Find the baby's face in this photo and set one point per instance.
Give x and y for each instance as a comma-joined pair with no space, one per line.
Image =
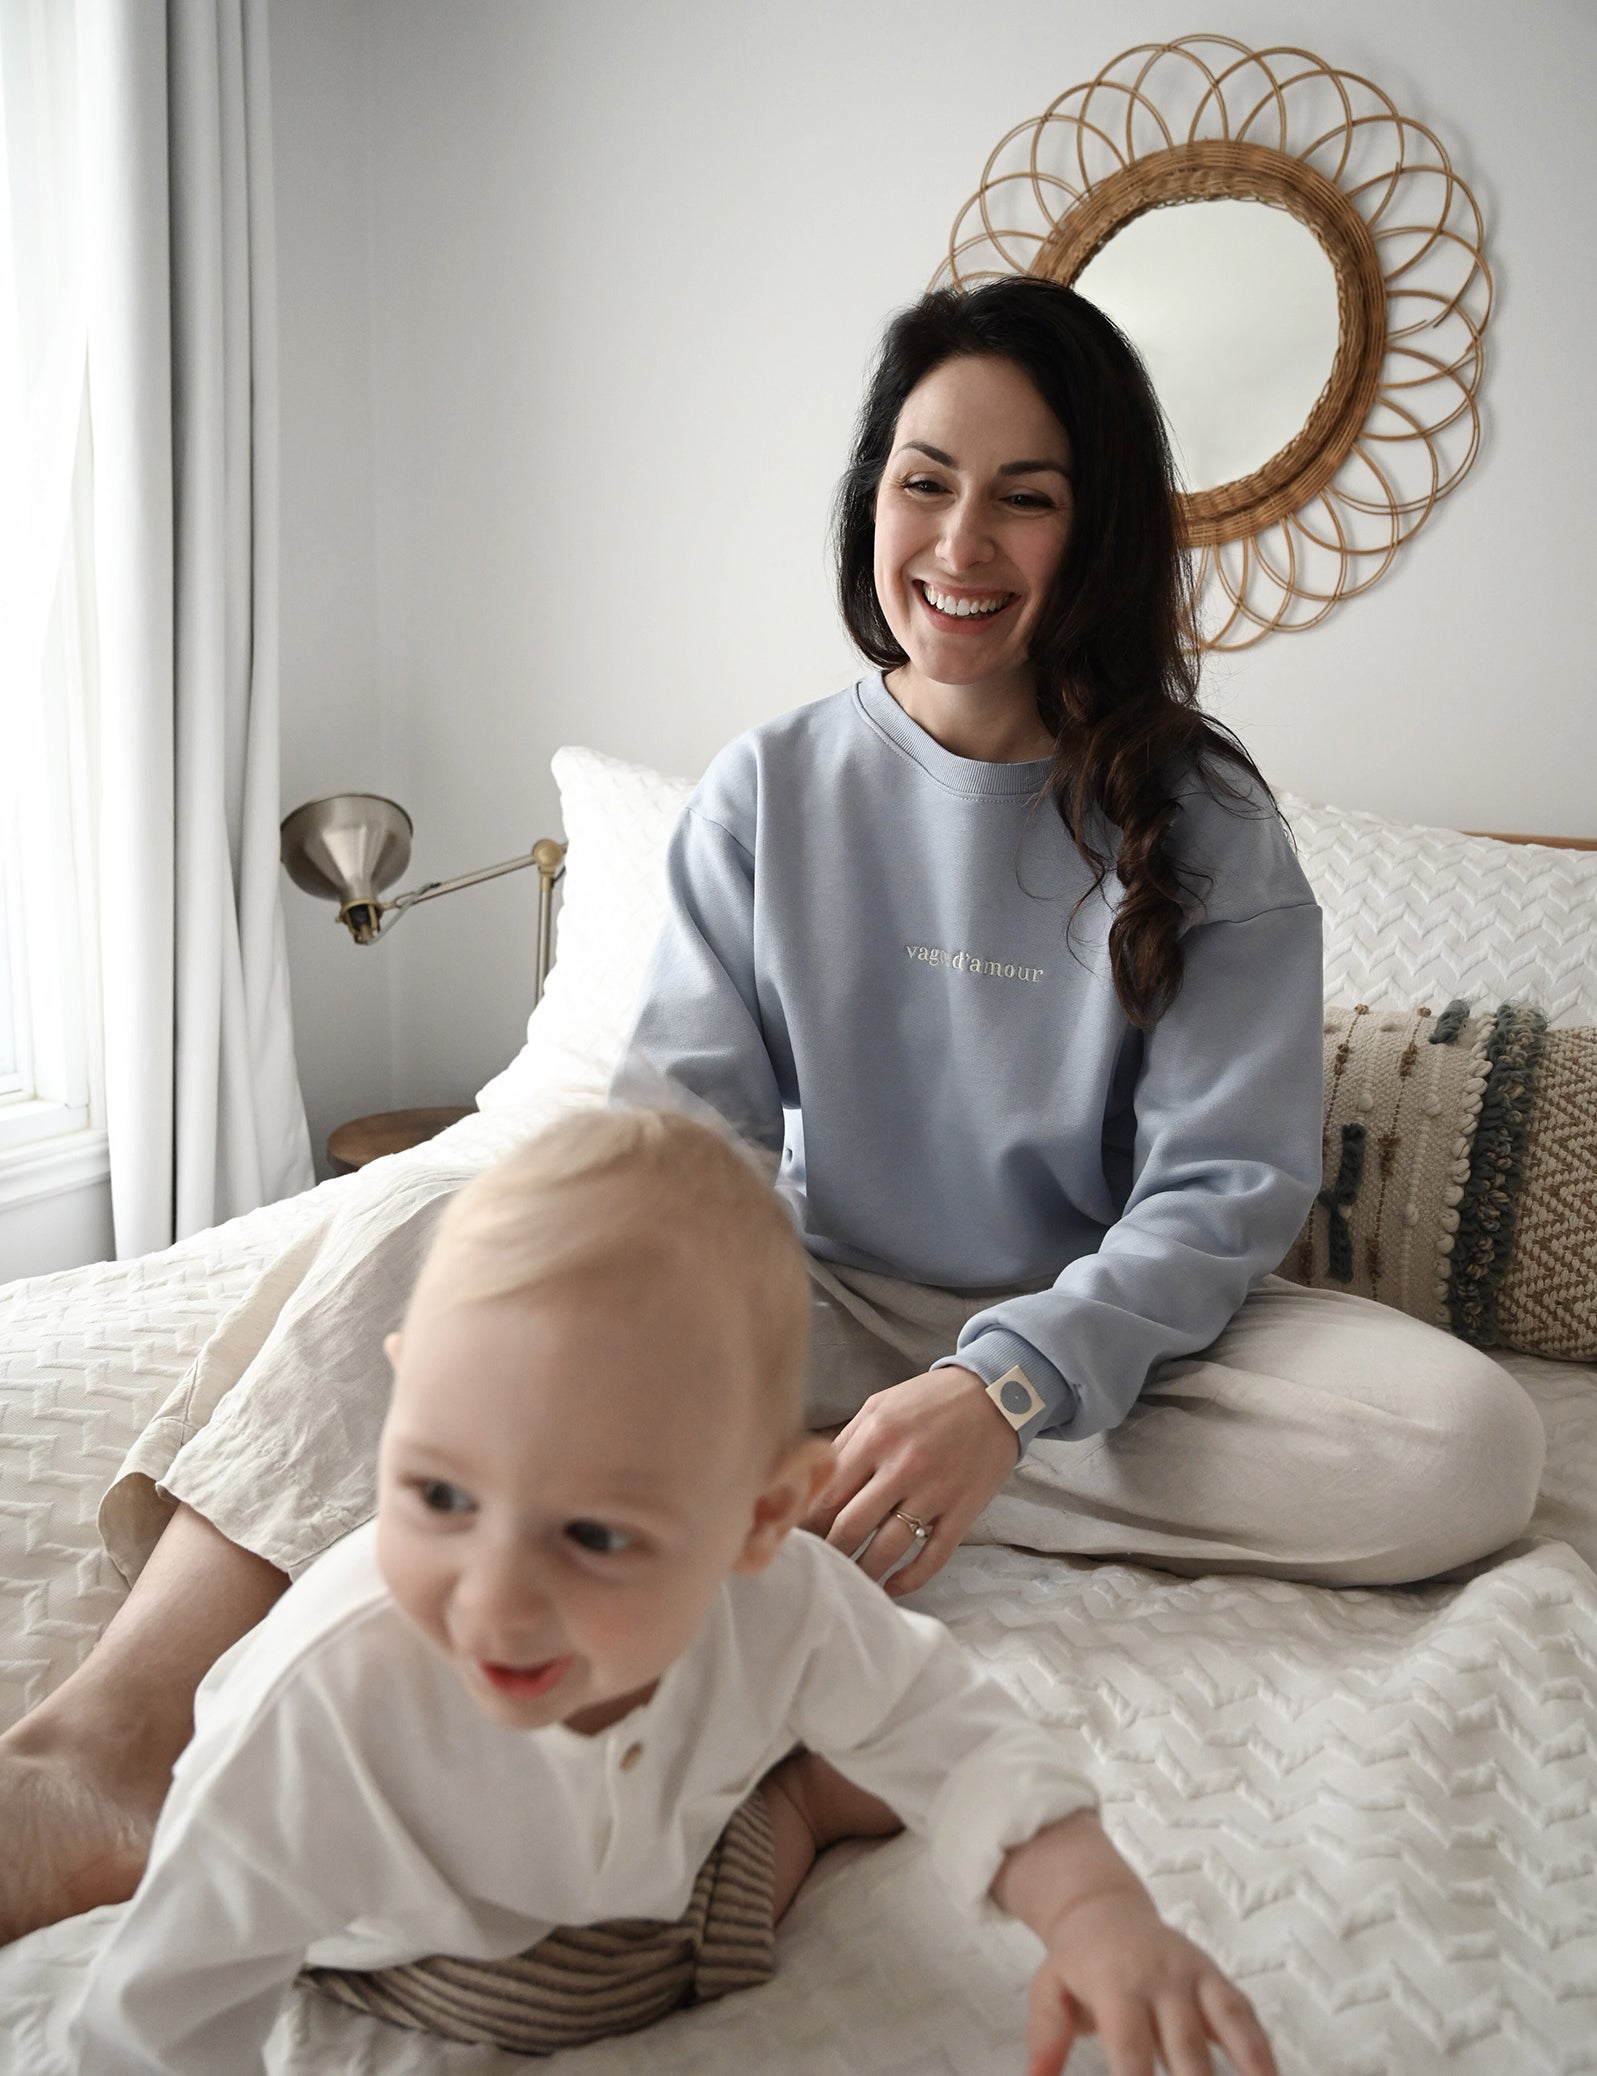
565,1480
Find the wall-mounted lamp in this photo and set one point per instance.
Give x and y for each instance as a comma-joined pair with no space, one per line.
350,846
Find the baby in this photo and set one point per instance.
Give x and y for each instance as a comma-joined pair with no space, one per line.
547,1704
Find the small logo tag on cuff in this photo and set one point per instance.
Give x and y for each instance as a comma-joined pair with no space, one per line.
1016,1397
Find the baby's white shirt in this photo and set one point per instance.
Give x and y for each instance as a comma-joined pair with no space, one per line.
345,1803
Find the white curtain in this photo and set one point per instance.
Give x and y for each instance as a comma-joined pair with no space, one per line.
203,1104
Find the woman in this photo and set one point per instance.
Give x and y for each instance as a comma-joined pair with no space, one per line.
1007,953
1006,956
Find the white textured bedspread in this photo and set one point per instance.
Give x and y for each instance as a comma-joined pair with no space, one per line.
1375,1808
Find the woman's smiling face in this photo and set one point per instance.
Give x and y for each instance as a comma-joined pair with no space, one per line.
972,518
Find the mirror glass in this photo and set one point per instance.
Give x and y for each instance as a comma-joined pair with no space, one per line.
1232,305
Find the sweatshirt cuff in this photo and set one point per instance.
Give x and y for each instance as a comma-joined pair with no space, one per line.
995,1351
1012,1786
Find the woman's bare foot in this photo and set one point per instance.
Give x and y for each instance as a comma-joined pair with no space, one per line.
812,1806
71,1841
83,1777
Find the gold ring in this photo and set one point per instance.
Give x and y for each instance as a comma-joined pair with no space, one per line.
920,1528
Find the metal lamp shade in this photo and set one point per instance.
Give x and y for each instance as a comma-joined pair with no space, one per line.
348,848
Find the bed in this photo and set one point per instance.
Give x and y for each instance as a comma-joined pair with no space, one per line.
1374,1807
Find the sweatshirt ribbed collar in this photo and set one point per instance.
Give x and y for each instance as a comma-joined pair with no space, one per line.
880,711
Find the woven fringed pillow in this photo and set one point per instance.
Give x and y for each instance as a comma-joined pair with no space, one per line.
1461,1174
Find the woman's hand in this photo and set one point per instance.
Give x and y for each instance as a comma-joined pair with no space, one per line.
935,1448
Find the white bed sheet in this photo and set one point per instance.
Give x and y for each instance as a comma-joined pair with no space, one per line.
1374,1807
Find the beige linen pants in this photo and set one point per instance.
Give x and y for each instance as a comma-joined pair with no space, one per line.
1321,1437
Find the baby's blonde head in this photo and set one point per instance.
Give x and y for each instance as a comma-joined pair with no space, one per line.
596,1415
623,1200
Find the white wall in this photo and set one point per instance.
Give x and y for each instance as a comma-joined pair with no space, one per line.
578,296
51,1228
334,719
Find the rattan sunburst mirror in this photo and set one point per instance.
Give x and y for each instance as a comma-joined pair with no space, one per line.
1395,424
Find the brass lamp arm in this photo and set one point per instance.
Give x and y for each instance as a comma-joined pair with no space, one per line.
365,919
434,887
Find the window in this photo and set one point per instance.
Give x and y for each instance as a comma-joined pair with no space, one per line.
48,998
46,873
15,1062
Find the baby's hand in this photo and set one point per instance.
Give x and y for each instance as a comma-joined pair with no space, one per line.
1114,1967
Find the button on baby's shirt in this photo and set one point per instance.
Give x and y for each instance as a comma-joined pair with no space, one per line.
630,1757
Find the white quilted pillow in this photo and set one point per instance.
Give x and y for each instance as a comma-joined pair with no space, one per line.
618,819
1416,915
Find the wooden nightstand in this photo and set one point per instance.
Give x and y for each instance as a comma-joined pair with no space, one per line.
363,1139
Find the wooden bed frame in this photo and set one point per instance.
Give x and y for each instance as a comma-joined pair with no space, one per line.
1552,843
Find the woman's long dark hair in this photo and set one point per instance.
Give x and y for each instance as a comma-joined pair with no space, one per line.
1116,669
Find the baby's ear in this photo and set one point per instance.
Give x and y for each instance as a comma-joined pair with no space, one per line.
391,1347
796,1482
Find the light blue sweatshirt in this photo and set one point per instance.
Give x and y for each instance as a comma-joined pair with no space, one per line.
865,969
